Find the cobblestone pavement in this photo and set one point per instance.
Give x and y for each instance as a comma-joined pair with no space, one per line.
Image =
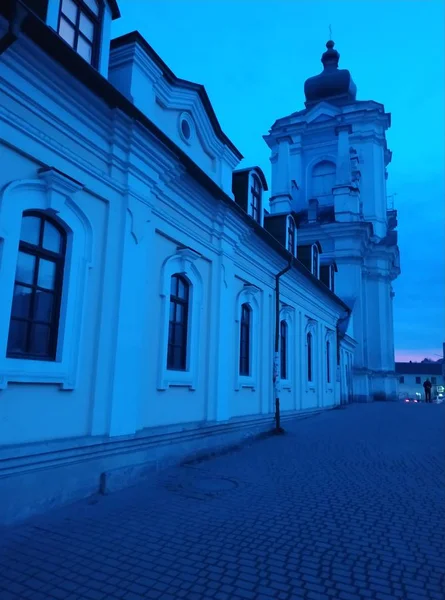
347,505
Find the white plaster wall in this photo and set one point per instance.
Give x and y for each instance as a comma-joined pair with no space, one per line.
142,206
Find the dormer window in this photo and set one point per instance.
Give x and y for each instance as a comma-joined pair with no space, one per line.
332,278
291,235
255,199
79,26
315,262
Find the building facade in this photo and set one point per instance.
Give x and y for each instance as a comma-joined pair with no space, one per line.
139,268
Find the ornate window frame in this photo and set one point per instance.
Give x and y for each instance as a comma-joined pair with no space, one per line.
311,327
52,192
329,338
287,315
248,295
181,263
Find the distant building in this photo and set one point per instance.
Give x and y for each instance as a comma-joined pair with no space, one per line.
412,375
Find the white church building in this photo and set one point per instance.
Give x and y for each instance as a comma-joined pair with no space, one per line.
141,268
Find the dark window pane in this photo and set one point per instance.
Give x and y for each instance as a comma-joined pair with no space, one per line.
172,311
93,5
39,340
66,31
309,357
47,274
84,48
177,358
86,27
30,230
182,289
17,336
174,285
180,312
43,306
51,238
21,302
25,267
69,8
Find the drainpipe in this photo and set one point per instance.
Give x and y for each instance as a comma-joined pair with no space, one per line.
15,23
276,362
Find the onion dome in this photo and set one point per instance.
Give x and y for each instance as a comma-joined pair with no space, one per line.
332,84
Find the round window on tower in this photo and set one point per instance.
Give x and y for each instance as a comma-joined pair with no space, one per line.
185,127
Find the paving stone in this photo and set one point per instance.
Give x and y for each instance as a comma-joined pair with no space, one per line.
337,504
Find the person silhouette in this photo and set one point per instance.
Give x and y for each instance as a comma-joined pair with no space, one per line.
427,387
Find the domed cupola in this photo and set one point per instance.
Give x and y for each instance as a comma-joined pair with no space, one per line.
333,85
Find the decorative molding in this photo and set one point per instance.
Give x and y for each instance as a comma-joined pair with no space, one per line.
141,214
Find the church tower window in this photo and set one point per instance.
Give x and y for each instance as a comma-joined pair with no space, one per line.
323,180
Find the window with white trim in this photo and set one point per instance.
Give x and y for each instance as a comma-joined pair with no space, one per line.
40,260
332,278
309,356
34,323
315,261
254,207
178,324
284,367
248,336
291,235
79,25
245,336
181,302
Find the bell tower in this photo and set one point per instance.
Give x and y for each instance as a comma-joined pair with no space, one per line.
329,162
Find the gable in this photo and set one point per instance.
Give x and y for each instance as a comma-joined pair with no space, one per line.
322,112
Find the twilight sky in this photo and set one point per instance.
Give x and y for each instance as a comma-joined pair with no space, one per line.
253,57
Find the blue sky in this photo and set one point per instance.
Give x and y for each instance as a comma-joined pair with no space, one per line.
253,57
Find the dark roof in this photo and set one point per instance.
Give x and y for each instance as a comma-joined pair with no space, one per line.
332,83
136,37
259,172
51,43
413,368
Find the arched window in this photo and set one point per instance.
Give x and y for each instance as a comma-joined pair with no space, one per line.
244,354
255,199
315,260
34,323
178,324
283,350
323,180
79,26
309,356
291,235
328,361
